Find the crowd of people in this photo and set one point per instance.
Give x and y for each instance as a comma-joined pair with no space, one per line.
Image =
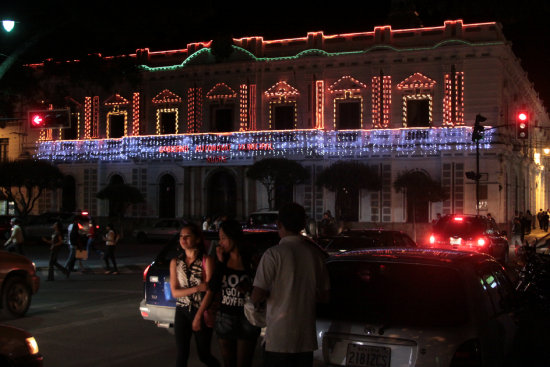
80,247
211,294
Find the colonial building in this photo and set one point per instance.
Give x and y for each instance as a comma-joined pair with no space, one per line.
394,99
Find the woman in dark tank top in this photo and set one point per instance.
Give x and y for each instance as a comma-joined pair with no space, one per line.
232,281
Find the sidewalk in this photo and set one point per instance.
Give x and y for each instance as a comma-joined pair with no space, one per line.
539,237
130,258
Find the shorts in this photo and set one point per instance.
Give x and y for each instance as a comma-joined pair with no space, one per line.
233,327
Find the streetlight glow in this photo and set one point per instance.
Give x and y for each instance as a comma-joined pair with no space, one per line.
8,25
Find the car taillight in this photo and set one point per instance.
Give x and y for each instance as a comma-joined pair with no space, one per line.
467,355
481,242
432,239
145,272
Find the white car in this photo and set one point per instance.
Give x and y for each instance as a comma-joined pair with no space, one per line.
416,307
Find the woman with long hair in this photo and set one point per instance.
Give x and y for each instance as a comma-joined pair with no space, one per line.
190,273
55,245
234,276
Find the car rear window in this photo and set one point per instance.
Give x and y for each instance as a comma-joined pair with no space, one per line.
449,227
353,242
388,293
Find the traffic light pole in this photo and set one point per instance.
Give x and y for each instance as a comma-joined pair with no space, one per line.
477,177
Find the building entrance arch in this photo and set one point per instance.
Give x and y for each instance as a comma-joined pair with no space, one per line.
167,196
221,194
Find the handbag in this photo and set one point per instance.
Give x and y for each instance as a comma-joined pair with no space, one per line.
81,254
254,315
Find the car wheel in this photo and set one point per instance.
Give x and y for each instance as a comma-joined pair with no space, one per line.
16,298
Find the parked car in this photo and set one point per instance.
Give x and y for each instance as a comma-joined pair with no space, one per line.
163,229
266,219
358,239
41,225
18,348
416,307
18,282
470,233
157,304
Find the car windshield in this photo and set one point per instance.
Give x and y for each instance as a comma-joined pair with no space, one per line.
354,242
463,227
395,293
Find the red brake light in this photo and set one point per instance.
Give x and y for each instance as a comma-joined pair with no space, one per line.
481,242
145,272
432,239
458,219
84,213
80,226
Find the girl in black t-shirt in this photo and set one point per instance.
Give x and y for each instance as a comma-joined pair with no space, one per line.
232,281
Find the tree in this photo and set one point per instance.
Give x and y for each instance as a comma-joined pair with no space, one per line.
271,172
419,188
346,179
24,181
120,197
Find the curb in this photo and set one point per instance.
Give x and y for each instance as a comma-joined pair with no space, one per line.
97,269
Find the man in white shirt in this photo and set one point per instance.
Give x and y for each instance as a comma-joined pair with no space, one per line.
15,242
291,278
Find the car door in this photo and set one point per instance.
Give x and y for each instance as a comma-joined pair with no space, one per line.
499,330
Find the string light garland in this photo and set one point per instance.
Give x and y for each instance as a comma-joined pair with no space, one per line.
166,96
320,104
453,101
224,147
282,102
116,100
243,107
347,84
221,91
381,101
417,97
87,117
160,111
282,89
95,117
416,81
194,109
117,112
252,108
349,97
135,113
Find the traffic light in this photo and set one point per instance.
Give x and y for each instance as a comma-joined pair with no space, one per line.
477,132
50,119
522,125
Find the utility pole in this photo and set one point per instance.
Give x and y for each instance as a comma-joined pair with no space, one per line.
477,135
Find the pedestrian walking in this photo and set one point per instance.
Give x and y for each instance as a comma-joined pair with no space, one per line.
527,220
75,243
291,278
111,239
545,218
55,245
206,224
516,233
190,273
232,279
16,240
93,240
539,218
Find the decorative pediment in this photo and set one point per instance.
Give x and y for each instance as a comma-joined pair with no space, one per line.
116,100
347,84
73,102
416,81
282,89
221,91
166,96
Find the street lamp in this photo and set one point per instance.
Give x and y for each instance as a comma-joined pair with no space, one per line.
8,25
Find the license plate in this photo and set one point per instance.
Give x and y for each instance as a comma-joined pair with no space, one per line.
456,241
366,355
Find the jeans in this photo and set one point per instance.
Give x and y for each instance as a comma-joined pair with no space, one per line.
69,264
110,255
183,331
274,359
54,264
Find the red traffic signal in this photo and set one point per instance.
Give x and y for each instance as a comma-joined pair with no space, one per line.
522,125
50,119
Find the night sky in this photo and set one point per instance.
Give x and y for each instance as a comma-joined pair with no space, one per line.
69,29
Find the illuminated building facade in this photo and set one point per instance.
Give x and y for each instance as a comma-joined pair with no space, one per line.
393,99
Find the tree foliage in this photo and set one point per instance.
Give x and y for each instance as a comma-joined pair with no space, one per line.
120,197
24,181
420,187
276,171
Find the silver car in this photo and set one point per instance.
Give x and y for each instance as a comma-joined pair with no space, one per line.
416,307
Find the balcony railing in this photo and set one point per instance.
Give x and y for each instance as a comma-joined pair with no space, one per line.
249,145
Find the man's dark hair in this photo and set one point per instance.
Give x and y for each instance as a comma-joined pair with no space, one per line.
293,217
